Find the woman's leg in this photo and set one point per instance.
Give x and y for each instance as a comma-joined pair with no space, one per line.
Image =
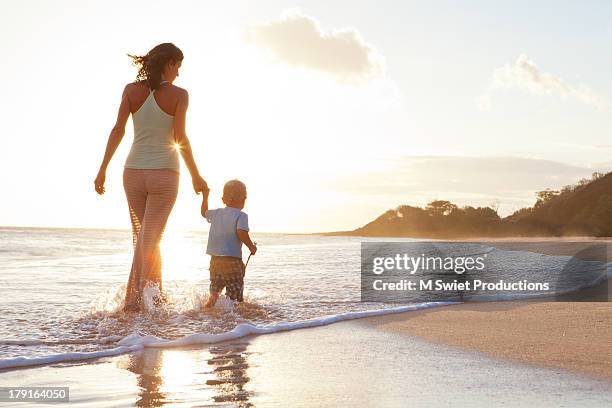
135,191
162,188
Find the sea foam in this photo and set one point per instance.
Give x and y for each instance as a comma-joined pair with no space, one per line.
135,342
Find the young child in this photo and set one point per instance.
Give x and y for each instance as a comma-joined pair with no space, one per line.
229,229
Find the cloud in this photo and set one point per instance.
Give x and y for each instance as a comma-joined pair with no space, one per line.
298,40
524,74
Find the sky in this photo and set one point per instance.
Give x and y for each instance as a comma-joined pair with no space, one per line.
330,112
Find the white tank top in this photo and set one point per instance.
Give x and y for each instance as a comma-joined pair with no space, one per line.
154,143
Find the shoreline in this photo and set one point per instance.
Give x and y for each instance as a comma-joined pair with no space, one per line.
575,335
344,364
572,336
379,317
502,349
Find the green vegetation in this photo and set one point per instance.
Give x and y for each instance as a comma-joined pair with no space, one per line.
584,209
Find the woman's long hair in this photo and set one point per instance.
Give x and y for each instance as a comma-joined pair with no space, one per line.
151,65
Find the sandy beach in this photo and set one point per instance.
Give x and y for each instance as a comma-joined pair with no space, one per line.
572,336
351,363
568,335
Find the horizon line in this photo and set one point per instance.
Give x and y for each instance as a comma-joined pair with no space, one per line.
129,229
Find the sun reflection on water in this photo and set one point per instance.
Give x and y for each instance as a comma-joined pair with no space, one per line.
181,377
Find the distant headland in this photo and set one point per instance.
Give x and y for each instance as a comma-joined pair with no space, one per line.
581,209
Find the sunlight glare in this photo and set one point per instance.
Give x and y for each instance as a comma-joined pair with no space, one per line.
183,257
178,369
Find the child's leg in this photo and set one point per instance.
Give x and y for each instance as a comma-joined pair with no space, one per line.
235,288
234,280
217,283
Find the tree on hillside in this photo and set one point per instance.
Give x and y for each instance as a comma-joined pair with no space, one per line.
584,208
601,216
440,207
494,205
544,196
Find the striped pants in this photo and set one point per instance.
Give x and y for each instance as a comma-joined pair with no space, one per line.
151,194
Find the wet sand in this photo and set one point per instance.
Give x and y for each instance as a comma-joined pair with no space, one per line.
574,336
350,363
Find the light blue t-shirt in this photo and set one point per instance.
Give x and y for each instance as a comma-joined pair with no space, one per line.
222,237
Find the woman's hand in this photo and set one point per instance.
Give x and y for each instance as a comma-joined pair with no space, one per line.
99,182
199,184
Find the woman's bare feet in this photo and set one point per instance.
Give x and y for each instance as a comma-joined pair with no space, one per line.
212,299
131,308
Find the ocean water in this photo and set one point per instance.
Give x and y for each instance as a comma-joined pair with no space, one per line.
62,291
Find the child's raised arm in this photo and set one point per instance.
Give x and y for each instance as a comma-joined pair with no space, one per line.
204,207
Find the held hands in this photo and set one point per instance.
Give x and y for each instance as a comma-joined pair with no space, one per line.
99,182
199,184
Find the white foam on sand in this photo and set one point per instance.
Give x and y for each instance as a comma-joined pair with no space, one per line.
135,341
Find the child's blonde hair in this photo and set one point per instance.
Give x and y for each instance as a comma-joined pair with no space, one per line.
234,190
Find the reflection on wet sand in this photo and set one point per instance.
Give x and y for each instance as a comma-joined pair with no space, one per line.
207,376
230,371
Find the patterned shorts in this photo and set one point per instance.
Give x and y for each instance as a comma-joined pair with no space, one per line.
227,272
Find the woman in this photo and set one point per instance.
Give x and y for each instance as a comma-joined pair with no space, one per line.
151,173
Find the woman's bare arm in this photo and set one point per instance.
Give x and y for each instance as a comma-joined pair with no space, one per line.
182,141
114,139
